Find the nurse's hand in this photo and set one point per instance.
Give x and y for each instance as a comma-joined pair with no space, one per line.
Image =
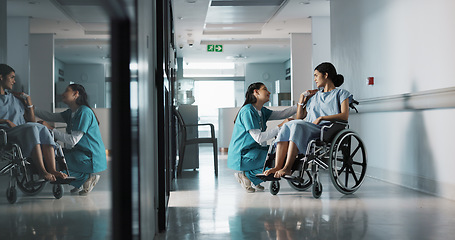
285,121
46,124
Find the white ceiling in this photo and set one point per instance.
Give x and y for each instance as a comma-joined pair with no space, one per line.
249,30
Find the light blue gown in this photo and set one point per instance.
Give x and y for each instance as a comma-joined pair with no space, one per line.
25,134
301,132
88,155
244,153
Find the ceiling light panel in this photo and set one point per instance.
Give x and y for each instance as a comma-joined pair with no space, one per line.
246,2
239,17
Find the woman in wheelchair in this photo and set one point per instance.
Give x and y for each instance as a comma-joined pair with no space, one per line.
248,147
318,108
84,149
17,117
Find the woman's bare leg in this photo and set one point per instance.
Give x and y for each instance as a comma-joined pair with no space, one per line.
37,156
291,155
280,156
49,157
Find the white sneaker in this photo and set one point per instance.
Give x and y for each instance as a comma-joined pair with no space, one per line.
259,187
244,181
89,184
75,190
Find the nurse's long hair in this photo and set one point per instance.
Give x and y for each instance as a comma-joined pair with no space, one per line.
249,95
83,98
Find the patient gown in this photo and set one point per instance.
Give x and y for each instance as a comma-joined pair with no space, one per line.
301,132
25,134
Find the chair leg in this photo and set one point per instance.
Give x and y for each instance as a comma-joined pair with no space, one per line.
181,157
215,158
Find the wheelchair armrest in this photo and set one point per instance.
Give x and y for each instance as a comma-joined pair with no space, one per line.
328,131
3,138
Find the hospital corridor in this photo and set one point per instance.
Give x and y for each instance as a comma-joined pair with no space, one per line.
208,208
204,207
185,97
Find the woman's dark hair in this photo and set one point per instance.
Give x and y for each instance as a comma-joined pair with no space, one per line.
5,70
249,95
328,68
83,98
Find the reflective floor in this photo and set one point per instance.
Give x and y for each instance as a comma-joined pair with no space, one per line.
44,217
203,207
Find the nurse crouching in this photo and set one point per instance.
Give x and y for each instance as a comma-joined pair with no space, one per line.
84,149
248,147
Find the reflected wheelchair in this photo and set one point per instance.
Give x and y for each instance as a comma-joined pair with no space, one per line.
338,149
23,173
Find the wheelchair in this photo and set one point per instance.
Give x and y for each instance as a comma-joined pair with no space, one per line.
24,175
338,149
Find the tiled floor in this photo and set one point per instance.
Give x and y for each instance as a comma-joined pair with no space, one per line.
203,207
43,217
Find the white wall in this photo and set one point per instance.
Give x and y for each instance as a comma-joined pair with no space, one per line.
407,45
92,77
42,71
3,28
18,53
264,72
301,64
320,34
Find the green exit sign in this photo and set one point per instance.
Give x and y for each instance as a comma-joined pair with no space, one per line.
214,48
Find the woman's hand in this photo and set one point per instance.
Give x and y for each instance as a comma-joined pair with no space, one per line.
308,94
46,124
24,97
285,121
305,96
8,122
318,120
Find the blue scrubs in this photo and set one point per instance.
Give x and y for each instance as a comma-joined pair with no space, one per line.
89,154
244,153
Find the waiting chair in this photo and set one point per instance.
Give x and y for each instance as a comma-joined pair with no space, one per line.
184,141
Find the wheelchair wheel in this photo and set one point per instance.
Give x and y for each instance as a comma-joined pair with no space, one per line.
301,184
348,162
274,187
57,190
34,186
317,188
11,195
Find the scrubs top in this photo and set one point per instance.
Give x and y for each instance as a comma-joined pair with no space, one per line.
244,153
89,154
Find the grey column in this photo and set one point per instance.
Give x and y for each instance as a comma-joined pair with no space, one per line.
3,31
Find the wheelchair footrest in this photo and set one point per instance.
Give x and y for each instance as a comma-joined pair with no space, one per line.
290,178
265,178
34,183
64,181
